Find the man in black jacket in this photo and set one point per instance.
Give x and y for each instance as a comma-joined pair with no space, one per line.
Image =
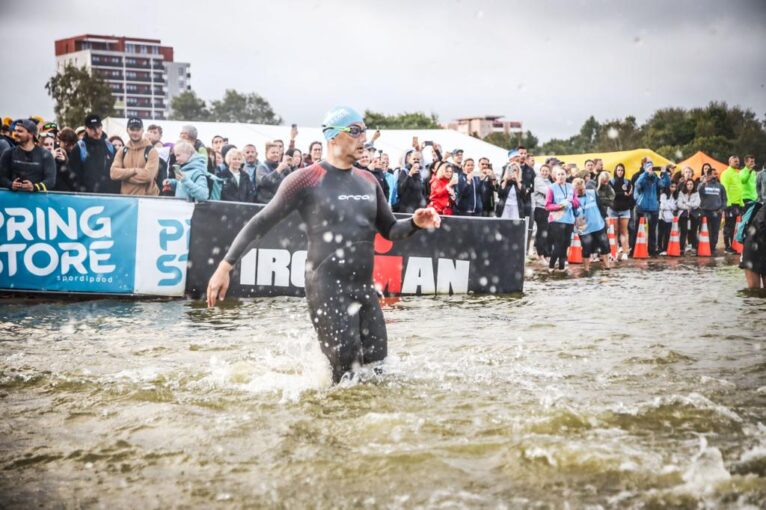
412,187
91,160
27,167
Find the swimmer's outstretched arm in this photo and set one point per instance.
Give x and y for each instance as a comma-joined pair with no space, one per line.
393,229
284,202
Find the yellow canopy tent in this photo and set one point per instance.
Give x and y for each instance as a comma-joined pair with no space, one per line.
631,159
700,158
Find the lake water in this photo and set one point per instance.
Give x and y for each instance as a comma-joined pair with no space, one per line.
643,387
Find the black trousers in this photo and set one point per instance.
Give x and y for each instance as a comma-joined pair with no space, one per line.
561,236
688,227
542,242
663,236
713,226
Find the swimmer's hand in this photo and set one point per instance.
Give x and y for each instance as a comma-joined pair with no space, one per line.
426,218
218,284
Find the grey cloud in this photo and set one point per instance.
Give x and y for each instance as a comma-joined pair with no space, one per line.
548,64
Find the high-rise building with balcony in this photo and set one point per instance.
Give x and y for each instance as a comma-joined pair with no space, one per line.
140,72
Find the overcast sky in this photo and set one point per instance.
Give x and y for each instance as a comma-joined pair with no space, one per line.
549,64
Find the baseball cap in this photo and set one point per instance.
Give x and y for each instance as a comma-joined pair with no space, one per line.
135,123
512,153
51,126
27,124
457,151
92,121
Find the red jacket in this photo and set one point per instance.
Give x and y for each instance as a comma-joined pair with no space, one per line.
441,198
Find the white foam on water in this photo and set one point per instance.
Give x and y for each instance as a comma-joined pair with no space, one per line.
705,471
296,366
693,400
137,375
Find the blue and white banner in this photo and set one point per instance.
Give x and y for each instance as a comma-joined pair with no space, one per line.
55,242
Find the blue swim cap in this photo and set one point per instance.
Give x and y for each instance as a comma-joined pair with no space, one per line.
340,116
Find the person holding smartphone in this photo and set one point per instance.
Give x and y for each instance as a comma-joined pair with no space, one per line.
189,174
510,196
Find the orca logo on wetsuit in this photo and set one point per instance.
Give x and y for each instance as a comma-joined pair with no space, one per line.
354,197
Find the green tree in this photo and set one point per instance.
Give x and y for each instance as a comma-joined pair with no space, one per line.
512,140
248,108
77,93
187,106
413,120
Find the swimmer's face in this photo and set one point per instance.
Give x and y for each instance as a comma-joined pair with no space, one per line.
351,146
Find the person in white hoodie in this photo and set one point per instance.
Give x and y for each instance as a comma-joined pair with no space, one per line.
688,204
539,196
667,214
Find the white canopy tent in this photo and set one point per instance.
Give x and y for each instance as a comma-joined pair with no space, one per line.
395,142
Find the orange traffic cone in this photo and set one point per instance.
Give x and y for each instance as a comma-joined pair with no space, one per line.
703,243
641,250
612,238
736,245
674,245
574,253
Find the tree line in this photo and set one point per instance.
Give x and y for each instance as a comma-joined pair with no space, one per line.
676,133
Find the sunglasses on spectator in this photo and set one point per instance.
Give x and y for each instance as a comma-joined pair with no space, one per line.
353,131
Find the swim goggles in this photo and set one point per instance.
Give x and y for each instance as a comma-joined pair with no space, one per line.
353,131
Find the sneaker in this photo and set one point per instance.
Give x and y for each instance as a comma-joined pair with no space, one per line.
729,249
624,256
663,253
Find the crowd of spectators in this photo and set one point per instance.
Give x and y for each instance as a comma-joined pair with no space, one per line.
557,197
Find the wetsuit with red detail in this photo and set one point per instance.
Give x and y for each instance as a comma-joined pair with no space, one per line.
342,210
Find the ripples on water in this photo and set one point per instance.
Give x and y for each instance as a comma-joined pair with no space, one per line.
635,388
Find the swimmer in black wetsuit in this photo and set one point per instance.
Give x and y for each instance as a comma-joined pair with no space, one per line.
342,208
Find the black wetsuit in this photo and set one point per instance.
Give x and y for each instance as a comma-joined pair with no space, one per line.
342,210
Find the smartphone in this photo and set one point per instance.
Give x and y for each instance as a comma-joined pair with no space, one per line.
294,126
414,140
428,144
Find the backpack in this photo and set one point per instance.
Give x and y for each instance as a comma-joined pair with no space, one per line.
147,150
751,209
215,185
162,168
84,149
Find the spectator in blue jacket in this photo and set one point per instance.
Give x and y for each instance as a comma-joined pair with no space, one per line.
648,187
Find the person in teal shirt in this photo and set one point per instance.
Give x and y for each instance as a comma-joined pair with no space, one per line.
590,225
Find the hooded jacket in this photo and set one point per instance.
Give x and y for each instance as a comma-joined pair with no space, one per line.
136,169
647,188
712,196
542,185
668,207
92,175
194,186
688,203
